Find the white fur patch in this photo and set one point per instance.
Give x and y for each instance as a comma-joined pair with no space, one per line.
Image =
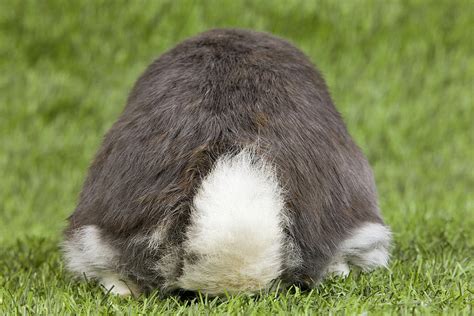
235,240
87,254
368,246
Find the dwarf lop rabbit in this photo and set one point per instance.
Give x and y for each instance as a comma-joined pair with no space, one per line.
229,168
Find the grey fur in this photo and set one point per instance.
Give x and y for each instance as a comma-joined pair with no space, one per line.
214,94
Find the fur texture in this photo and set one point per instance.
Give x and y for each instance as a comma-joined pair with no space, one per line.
209,97
87,254
367,247
235,239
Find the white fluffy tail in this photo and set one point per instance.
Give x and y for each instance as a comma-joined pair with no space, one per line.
235,240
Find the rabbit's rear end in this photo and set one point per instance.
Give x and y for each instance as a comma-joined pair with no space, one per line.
228,169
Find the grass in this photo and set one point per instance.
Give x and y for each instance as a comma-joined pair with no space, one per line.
400,72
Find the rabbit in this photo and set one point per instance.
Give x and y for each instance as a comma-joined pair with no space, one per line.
229,169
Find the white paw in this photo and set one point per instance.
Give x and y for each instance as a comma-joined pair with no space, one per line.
112,284
338,267
367,247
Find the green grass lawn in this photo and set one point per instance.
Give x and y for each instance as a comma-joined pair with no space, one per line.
400,72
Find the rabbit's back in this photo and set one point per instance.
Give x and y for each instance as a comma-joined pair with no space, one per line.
258,102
